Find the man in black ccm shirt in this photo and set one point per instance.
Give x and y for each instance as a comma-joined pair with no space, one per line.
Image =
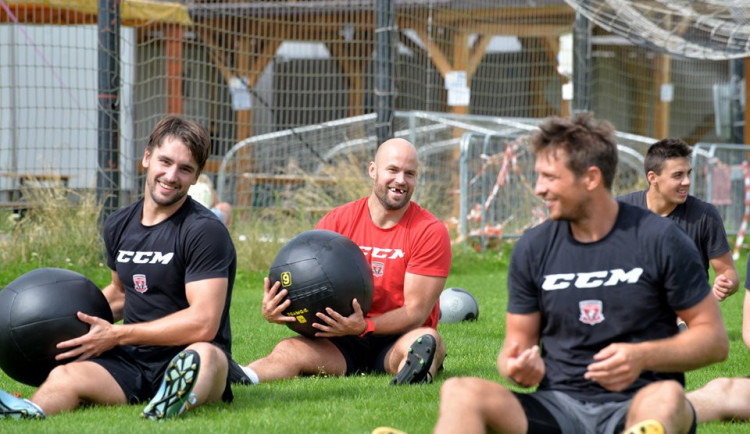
173,267
598,288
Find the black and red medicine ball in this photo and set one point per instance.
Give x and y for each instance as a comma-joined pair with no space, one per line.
319,269
37,311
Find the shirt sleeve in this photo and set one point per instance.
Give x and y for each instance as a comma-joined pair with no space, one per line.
679,256
210,251
716,236
432,252
522,290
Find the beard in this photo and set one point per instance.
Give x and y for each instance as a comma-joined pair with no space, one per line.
164,200
571,213
381,192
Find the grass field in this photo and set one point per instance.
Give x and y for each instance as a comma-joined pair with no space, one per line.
343,405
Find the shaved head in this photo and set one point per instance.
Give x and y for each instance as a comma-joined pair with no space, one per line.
394,173
397,146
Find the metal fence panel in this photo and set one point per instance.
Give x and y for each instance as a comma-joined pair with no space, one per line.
717,178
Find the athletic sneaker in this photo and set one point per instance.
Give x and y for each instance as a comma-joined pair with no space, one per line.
417,367
387,430
18,408
237,375
650,426
175,393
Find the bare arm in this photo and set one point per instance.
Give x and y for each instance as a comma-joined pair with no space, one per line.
199,322
703,343
420,295
727,280
115,295
519,360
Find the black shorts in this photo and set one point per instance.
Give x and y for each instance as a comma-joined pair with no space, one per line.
366,354
139,370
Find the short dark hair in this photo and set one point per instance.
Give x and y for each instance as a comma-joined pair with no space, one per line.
663,150
191,133
587,141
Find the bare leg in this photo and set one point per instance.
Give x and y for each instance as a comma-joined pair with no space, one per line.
722,399
664,401
473,405
300,356
212,377
67,386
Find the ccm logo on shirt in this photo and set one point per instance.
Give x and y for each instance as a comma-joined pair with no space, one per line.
125,256
593,279
378,253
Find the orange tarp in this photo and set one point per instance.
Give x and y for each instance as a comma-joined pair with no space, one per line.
133,12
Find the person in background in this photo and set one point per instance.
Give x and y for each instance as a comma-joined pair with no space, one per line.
667,167
203,191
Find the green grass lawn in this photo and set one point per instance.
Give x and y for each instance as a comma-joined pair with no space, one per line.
353,404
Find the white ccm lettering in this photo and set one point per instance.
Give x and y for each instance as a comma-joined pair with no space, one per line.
594,279
125,256
379,253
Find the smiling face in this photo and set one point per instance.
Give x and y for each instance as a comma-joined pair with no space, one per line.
170,171
563,193
673,183
394,173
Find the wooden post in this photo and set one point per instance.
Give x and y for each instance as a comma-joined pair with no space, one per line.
662,77
461,63
244,118
243,128
253,55
175,103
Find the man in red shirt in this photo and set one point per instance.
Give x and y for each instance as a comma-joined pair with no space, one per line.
410,255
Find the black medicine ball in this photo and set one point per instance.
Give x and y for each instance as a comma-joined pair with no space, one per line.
320,269
37,311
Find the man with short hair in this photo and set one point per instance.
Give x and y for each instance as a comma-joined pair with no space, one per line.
667,167
593,296
174,344
398,335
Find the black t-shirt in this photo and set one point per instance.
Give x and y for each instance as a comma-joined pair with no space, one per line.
700,220
155,262
625,287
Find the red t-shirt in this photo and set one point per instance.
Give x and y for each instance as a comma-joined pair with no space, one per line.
418,244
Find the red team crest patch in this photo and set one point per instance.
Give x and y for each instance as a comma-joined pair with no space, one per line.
139,283
377,269
591,311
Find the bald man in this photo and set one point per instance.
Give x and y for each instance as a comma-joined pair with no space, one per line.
410,255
